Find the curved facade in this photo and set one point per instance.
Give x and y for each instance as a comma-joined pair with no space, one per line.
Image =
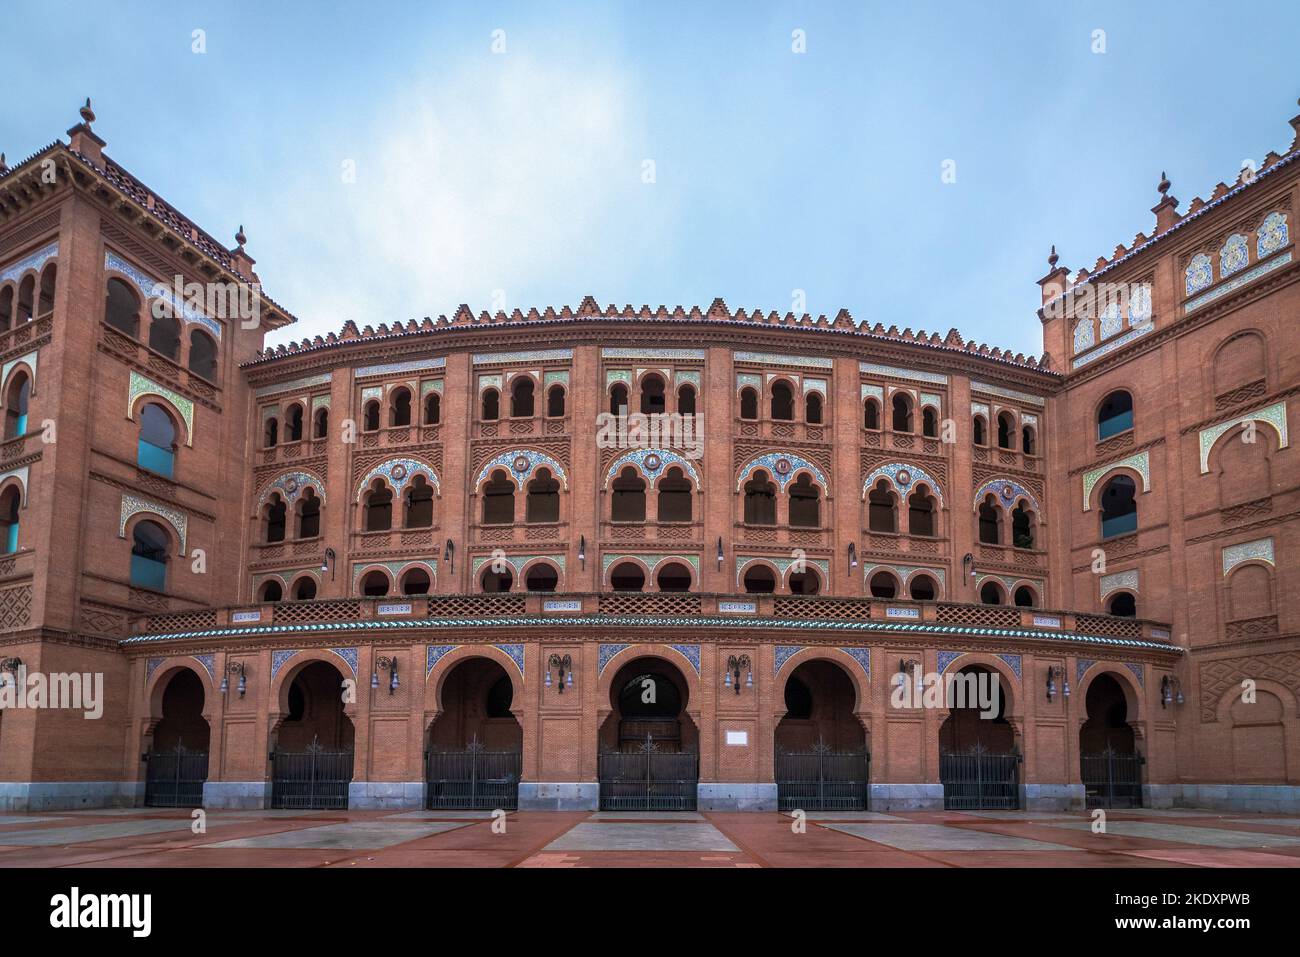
558,541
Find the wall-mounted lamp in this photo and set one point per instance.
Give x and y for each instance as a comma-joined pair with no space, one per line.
1051,682
9,671
582,550
329,563
906,665
449,555
389,665
234,668
1171,691
968,560
853,556
564,665
735,664
721,557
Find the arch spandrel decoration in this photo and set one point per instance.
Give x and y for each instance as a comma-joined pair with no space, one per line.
1139,463
20,475
1013,662
652,464
1127,580
1273,416
133,505
515,652
1272,234
903,477
1260,550
36,261
28,360
783,467
395,569
608,652
151,288
139,386
905,572
433,654
398,473
781,564
1008,491
291,485
521,464
518,562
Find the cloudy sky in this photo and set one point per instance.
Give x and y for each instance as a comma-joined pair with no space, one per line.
392,160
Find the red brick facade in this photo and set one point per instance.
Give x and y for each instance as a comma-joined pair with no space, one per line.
848,451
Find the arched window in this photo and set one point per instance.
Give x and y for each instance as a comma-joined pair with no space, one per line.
759,580
271,590
321,425
149,545
674,576
1123,604
122,308
45,305
156,447
627,576
415,582
674,497
1119,507
979,431
991,593
555,402
521,397
812,408
374,584
270,432
760,500
1022,527
882,508
399,411
627,502
922,588
871,414
304,589
883,585
805,505
370,416
498,500
419,503
6,307
921,513
618,399
782,402
308,509
203,355
543,502
499,580
1006,430
293,424
1114,415
1024,597
541,577
990,522
165,335
806,582
432,409
1028,441
274,514
902,406
748,403
378,508
652,395
16,404
929,422
9,502
491,405
686,400
26,295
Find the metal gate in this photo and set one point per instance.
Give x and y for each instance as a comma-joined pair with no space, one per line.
314,779
822,780
980,780
1112,779
648,779
174,778
474,779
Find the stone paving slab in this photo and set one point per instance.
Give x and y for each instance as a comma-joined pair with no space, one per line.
629,836
849,816
1268,821
26,819
1028,815
352,835
646,816
84,831
937,837
1188,834
443,816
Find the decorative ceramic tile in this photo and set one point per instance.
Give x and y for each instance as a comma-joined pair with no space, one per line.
151,288
1139,304
131,505
291,486
1112,321
1013,661
1080,668
653,464
37,260
862,656
516,653
433,654
320,402
1259,550
1138,672
1139,462
1024,398
150,666
521,463
1234,256
930,398
1274,415
814,385
872,368
209,663
560,376
662,355
430,385
28,360
690,377
349,655
278,658
691,653
138,386
1133,333
21,474
650,561
618,375
397,473
1007,491
519,562
1047,621
892,612
1028,419
775,359
979,408
1235,284
948,657
784,653
782,565
904,572
375,392
606,653
297,385
873,391
1126,579
489,382
538,355
398,368
1084,336
1199,274
1272,235
903,477
782,467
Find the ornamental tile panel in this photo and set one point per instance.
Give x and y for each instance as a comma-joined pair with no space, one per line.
296,385
561,376
751,379
37,260
1007,491
651,561
398,368
873,391
435,653
862,656
1112,321
653,464
1126,579
1233,285
1081,666
777,359
291,485
151,288
930,398
133,505
1272,235
915,375
518,562
661,355
690,376
691,653
607,652
521,463
515,651
1084,336
948,657
151,666
536,355
1139,304
1138,672
1274,415
28,360
903,477
1199,274
349,655
139,386
398,473
784,653
1140,463
1133,333
905,572
814,385
1260,550
209,663
1234,256
1014,662
278,658
782,467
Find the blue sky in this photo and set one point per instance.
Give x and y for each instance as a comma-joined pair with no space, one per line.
520,175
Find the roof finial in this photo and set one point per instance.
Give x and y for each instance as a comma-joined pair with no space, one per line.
1164,183
87,114
240,237
1053,258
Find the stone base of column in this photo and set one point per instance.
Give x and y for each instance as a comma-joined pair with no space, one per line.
1052,797
385,795
237,795
69,795
1236,798
907,797
559,796
716,796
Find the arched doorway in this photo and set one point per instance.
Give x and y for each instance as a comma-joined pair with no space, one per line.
649,746
475,746
979,764
821,760
1109,764
312,758
177,764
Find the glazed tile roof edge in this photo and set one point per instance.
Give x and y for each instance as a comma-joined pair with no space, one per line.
597,621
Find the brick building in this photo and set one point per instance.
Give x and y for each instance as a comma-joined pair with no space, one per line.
415,563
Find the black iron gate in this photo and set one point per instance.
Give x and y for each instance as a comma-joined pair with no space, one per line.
822,780
980,780
648,779
1112,779
314,779
175,778
474,779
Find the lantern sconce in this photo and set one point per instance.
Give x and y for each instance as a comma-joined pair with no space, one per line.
582,550
234,668
564,665
388,664
906,665
1171,691
1052,674
449,555
329,563
9,671
969,559
736,664
853,556
721,557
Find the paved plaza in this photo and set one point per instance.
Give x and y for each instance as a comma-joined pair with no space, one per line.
149,837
